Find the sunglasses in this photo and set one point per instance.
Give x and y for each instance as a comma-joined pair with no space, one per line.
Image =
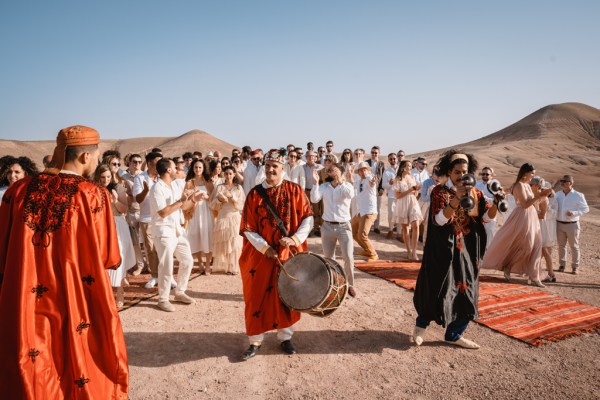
292,156
136,161
563,181
255,158
485,174
115,164
401,155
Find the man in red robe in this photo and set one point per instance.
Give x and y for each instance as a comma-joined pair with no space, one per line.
263,243
61,337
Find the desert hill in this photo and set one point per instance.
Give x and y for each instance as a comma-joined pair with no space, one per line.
557,139
171,146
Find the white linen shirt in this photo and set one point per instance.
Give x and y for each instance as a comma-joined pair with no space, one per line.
161,196
573,201
336,200
366,196
138,187
389,173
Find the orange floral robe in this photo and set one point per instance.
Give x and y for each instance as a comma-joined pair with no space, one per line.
60,333
264,311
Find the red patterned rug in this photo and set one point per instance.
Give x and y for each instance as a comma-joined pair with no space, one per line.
526,313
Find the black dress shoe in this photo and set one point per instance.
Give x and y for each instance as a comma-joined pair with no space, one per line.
251,352
288,347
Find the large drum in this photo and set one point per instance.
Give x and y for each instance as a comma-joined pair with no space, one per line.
320,287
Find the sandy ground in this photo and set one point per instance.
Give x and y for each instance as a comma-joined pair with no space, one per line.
362,351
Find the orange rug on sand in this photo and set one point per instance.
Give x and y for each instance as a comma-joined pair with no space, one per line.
526,313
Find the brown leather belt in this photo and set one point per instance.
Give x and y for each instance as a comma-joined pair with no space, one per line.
335,223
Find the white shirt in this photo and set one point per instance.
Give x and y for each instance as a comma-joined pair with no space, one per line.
336,200
138,187
161,196
251,173
573,201
366,196
389,173
420,177
296,174
481,185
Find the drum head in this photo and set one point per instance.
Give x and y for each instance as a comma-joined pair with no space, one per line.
312,285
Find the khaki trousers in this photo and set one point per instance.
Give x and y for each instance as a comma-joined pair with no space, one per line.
150,249
361,225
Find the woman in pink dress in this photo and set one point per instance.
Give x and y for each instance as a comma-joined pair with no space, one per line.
407,212
517,246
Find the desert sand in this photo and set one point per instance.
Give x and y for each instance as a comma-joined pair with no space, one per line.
362,351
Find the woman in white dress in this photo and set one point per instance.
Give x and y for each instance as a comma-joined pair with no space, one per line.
227,200
547,209
294,171
200,224
104,177
408,212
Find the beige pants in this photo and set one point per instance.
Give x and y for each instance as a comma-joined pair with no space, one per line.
150,249
361,225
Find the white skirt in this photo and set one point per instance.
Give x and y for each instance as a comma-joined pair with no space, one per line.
125,249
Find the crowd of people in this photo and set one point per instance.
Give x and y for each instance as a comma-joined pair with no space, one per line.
241,215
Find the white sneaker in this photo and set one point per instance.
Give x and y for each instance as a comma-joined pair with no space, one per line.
166,306
151,283
465,343
173,283
184,298
418,334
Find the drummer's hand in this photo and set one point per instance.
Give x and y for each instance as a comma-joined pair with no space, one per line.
271,253
287,242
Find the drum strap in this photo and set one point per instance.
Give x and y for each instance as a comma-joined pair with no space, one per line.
263,193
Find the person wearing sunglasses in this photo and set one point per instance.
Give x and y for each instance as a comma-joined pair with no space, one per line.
134,168
366,203
571,206
254,170
294,172
487,174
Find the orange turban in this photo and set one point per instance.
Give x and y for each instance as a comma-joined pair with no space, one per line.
77,135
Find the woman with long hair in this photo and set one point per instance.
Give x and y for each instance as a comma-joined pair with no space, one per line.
228,200
105,178
517,246
447,287
200,225
547,209
13,169
407,212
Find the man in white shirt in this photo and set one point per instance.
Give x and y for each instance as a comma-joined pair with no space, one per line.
317,208
387,181
571,206
377,168
300,154
166,200
134,168
419,171
487,173
336,195
366,202
142,184
254,171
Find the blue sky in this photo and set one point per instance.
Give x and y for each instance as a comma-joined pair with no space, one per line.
400,74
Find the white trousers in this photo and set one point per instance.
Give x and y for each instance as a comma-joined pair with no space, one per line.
490,231
166,248
391,207
282,335
330,235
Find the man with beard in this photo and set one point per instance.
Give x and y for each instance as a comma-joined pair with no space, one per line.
61,336
264,243
487,173
387,181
